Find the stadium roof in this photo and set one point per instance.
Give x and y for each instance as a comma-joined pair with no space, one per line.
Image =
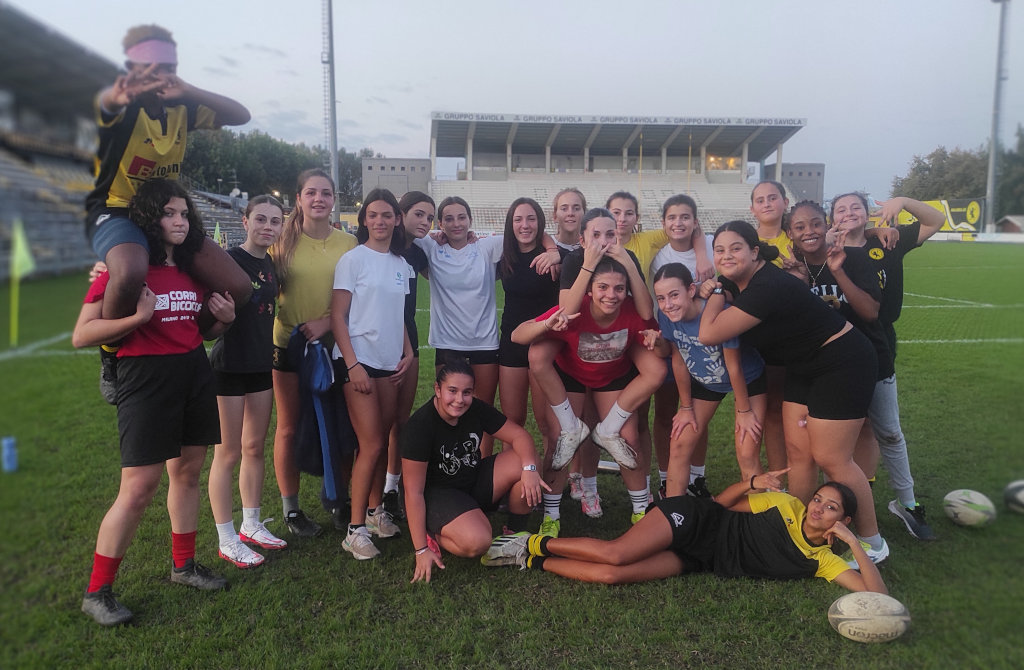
608,135
46,71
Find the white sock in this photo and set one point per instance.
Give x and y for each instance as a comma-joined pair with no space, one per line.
648,482
590,484
639,500
391,481
663,474
226,533
613,423
552,502
874,541
696,471
250,516
566,418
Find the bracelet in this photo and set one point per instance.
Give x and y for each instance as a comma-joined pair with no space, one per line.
686,407
745,411
353,365
587,270
422,550
752,487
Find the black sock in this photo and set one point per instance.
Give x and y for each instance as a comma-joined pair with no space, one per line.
536,562
543,545
518,522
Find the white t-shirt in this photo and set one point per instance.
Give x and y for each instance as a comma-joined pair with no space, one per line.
376,318
688,258
567,247
463,308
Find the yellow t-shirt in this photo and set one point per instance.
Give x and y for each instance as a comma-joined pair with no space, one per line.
783,244
793,512
645,246
310,284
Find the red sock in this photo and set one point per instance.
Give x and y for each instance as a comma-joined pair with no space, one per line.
183,547
104,569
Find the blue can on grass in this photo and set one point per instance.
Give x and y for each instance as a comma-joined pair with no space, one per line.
10,456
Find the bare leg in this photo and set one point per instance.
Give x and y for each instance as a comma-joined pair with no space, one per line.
406,397
867,453
832,445
183,488
127,264
254,438
774,435
666,402
286,396
748,451
372,417
226,457
138,486
215,269
683,447
803,471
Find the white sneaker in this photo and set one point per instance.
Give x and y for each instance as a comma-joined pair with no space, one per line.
260,536
617,448
358,543
576,486
876,556
568,443
242,556
591,505
381,524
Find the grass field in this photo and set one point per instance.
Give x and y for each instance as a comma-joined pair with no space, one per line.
960,364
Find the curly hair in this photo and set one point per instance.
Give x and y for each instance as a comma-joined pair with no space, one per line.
146,209
138,34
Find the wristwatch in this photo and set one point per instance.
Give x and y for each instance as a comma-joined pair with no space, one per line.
718,290
529,468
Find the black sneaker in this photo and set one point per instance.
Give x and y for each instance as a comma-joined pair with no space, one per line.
913,519
699,488
103,607
198,576
300,524
392,503
108,376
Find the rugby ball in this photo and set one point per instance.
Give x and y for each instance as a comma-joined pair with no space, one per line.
865,616
1013,496
969,508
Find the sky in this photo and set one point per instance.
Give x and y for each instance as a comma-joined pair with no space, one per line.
879,81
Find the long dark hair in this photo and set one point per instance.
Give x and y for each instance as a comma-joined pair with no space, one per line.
510,255
147,208
397,245
746,231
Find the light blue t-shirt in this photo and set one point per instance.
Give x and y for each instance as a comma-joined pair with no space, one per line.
707,363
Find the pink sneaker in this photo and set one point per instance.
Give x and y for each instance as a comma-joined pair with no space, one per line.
591,505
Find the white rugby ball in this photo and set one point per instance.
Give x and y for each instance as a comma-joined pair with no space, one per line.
1013,496
969,508
865,616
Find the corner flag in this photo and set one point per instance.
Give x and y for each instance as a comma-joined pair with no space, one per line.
22,264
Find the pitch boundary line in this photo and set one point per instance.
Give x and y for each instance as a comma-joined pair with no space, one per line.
992,340
939,297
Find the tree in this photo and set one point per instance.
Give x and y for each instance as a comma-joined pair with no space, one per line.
1010,194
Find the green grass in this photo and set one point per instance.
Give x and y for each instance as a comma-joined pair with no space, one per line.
960,367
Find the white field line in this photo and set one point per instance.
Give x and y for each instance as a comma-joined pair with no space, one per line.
30,349
991,340
939,297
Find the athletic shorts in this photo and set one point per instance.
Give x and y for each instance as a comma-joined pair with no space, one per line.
574,386
112,229
512,355
445,504
838,381
374,373
485,357
281,361
164,403
694,523
697,390
241,383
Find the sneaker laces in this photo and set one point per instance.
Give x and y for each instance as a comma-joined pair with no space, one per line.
107,598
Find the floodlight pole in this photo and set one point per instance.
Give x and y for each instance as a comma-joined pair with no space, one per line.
330,101
993,142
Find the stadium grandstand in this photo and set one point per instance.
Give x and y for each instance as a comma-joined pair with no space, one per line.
508,156
47,137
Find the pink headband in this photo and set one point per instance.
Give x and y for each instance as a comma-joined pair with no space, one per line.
152,51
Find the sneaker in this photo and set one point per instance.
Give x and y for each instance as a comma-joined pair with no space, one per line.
699,488
103,607
242,556
617,448
549,526
358,543
913,519
876,556
198,576
380,523
108,377
568,443
591,505
432,545
636,517
662,491
576,486
507,550
392,503
301,525
260,536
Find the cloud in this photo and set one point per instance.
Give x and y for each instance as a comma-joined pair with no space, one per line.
376,99
265,49
408,124
219,71
291,125
229,61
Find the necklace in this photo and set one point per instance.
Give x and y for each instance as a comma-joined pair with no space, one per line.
814,275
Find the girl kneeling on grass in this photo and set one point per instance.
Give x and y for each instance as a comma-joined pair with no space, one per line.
703,375
741,533
166,407
449,486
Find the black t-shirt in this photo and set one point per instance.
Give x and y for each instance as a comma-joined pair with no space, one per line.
573,263
889,265
527,294
248,345
794,323
863,275
758,545
415,257
452,453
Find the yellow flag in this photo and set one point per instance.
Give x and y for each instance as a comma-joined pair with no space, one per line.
216,235
22,262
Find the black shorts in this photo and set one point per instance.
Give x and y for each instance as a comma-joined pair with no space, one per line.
242,383
697,390
574,386
374,373
445,504
838,381
694,523
281,362
512,355
485,357
164,403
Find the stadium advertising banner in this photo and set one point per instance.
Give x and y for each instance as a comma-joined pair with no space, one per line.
962,216
626,120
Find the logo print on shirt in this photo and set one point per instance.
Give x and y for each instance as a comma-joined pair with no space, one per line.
677,519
